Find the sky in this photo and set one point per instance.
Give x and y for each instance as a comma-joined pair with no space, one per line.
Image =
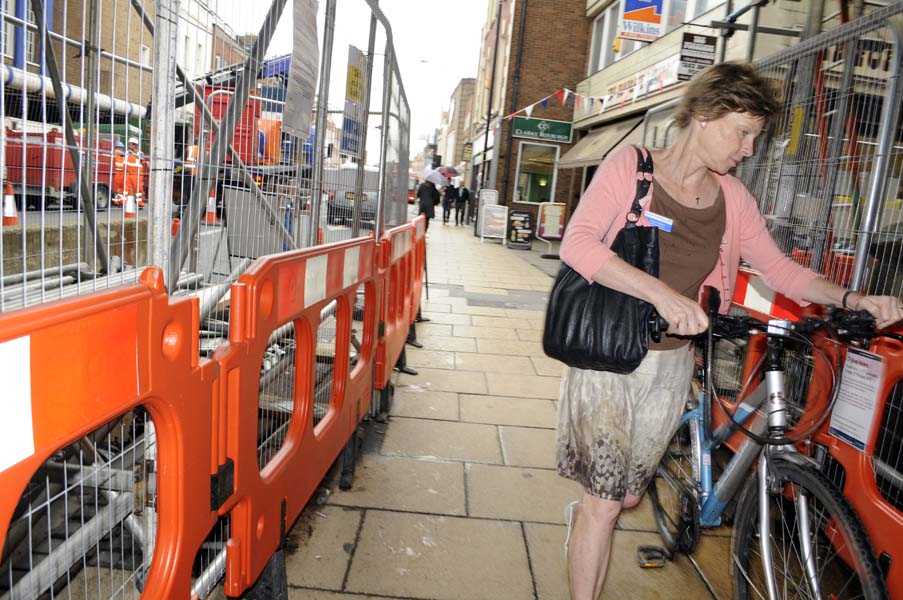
437,43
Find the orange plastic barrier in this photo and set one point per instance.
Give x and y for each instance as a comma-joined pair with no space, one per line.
419,263
397,273
882,520
289,287
93,358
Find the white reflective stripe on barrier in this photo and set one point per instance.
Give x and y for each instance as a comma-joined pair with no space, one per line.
351,270
16,425
420,229
755,295
315,279
401,244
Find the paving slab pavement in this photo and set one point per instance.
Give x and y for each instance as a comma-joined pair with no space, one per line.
456,496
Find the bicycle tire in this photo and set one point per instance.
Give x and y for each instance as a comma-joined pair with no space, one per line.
860,578
671,492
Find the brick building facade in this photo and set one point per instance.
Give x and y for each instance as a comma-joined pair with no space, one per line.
545,51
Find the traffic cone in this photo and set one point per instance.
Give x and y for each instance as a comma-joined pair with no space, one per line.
131,210
10,216
210,215
175,226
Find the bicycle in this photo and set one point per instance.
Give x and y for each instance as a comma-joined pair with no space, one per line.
794,535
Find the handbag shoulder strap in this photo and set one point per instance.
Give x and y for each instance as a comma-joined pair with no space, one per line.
644,166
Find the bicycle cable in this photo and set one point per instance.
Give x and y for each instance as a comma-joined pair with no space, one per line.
791,334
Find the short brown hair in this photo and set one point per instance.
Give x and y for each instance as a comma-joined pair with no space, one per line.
728,87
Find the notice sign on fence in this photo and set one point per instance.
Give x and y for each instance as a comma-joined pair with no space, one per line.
857,399
696,53
642,20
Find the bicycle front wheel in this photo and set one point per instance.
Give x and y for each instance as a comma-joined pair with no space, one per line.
671,492
818,546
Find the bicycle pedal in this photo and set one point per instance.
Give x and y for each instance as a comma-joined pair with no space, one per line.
651,557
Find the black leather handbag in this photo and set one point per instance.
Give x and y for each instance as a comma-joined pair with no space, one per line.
590,326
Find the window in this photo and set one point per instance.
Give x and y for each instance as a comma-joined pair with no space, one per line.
199,66
31,40
596,54
9,30
451,142
698,7
217,62
145,55
535,172
676,14
606,47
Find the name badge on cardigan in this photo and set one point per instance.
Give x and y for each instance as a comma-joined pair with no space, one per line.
659,221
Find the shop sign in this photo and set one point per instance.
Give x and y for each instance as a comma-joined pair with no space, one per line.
643,20
468,152
872,58
551,221
642,84
492,221
520,230
696,53
542,129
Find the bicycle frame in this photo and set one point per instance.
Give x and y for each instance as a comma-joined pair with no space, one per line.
714,496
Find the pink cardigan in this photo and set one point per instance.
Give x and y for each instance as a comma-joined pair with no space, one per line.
600,215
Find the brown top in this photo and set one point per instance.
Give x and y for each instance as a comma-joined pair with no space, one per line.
688,253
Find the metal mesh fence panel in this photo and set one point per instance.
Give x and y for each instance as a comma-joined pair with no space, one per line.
150,133
95,193
827,172
277,393
84,527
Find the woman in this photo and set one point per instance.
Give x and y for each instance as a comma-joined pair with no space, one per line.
427,199
613,429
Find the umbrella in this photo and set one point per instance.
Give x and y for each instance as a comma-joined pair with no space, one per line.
448,171
435,176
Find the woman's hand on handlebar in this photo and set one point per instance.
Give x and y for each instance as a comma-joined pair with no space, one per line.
684,316
887,310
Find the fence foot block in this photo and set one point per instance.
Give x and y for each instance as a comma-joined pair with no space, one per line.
412,336
402,365
273,582
385,403
349,461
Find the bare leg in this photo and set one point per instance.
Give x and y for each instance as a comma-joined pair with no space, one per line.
590,544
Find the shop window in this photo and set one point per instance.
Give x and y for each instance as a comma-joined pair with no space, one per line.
535,173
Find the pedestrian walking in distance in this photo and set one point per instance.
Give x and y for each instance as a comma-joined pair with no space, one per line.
427,199
448,198
461,204
614,428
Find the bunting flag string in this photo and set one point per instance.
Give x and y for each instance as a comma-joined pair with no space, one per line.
586,102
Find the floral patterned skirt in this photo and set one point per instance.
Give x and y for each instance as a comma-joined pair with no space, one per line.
613,429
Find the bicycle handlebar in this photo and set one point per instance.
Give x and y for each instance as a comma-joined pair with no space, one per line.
850,324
